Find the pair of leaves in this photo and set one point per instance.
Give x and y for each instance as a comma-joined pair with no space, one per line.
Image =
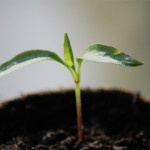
32,56
97,53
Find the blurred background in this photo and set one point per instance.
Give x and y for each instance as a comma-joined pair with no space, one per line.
31,24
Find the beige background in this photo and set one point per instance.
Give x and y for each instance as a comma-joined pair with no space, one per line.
30,24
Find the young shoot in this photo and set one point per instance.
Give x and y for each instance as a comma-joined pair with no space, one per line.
97,53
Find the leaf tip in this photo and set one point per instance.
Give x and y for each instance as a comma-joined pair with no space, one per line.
65,35
139,63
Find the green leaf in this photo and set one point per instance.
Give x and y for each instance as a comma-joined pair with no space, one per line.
27,58
103,53
68,54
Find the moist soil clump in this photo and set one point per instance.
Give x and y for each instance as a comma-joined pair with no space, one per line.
113,120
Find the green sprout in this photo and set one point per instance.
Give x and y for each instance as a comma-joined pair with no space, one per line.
97,53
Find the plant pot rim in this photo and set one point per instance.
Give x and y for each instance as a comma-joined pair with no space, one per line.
60,91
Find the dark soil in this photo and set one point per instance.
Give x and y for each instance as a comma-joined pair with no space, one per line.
113,120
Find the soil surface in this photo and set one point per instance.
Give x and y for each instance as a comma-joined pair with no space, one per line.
113,120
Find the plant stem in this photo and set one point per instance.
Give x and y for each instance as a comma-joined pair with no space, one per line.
79,111
76,76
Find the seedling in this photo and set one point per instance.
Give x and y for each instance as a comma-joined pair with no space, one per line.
97,53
